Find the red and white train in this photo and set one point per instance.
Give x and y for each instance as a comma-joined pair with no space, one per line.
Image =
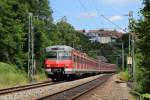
64,61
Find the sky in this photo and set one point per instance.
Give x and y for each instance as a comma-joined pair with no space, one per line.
86,14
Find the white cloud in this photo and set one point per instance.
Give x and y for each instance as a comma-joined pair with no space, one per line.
122,2
87,15
115,18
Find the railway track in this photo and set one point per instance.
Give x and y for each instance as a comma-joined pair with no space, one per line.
75,92
25,87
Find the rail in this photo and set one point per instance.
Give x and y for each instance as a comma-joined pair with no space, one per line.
75,92
25,87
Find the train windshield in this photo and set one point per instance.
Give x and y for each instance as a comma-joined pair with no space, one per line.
51,55
64,55
59,55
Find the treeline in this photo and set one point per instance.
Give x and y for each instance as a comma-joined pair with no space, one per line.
142,30
14,31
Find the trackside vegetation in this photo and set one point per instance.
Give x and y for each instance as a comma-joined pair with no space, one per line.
142,30
10,75
40,75
124,76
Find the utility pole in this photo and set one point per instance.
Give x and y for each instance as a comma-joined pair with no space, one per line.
31,56
129,61
117,61
31,61
122,56
131,45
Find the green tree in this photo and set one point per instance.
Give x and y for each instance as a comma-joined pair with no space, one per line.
67,35
143,30
11,32
14,28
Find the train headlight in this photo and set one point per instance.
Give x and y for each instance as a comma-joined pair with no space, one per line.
47,65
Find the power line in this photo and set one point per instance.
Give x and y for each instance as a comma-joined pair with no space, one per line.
82,5
113,23
100,15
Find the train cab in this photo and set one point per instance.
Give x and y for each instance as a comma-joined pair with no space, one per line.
58,60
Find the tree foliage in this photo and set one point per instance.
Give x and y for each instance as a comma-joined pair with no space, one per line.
143,29
14,28
11,31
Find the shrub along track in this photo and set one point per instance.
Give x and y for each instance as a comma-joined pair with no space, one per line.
25,87
77,91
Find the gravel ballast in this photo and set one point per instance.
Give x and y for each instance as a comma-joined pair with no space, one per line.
110,90
33,94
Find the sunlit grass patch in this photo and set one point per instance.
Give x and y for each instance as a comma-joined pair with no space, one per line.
11,76
40,76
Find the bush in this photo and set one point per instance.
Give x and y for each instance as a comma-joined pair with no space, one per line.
124,76
146,96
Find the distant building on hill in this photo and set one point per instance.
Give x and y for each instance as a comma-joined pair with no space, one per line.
102,36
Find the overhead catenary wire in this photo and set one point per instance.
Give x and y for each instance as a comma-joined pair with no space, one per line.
113,23
101,15
82,5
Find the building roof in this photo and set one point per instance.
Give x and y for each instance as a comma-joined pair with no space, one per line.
106,33
82,31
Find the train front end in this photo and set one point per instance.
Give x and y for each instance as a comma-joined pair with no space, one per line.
58,61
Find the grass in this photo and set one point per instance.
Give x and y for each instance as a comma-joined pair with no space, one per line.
41,76
124,76
11,76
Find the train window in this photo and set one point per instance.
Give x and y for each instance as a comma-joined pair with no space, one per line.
64,55
80,59
51,55
77,59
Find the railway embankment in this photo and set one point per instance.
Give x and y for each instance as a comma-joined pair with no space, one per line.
11,75
112,89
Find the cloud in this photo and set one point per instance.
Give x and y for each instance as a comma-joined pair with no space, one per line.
87,15
122,2
115,18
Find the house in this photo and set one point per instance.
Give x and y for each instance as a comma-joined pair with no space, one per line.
103,36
